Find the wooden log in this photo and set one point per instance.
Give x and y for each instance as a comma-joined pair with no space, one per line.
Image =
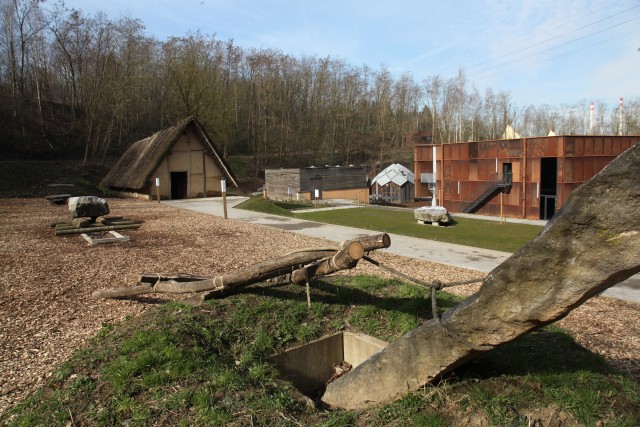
85,223
253,274
69,231
164,287
344,249
375,241
346,253
116,220
347,256
177,277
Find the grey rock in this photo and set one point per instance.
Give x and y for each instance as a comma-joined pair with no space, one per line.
432,214
87,206
592,244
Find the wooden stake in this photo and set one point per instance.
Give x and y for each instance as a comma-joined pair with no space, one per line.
224,204
223,189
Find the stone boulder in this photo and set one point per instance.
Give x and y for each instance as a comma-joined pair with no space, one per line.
432,214
592,244
87,206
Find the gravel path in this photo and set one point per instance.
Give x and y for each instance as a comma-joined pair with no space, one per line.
47,313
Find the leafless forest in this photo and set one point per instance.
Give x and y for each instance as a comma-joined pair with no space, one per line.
76,85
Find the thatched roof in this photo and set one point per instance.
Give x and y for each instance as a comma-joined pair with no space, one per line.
136,165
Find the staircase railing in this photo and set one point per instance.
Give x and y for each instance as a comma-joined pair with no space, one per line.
496,178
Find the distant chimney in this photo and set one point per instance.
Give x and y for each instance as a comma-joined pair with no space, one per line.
592,116
620,127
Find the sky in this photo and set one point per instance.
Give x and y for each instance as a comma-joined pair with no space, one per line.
555,52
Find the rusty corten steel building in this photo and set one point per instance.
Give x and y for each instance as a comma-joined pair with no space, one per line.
525,178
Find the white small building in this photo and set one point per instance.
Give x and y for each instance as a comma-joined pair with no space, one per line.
393,185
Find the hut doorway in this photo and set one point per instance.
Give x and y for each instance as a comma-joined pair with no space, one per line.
548,184
178,185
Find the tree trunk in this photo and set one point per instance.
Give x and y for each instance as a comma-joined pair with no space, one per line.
345,255
590,246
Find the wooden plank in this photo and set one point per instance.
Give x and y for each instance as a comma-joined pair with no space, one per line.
117,237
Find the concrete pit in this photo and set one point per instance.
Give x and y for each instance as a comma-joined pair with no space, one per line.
310,366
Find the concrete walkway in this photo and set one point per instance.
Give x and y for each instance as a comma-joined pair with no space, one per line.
468,257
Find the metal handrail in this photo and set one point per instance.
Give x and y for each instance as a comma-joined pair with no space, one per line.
496,178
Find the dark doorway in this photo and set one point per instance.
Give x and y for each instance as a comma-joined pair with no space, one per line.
507,173
178,185
548,184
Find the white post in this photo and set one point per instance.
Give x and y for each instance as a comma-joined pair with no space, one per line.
223,189
434,161
158,189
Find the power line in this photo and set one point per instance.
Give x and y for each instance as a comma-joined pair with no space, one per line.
486,77
554,38
560,45
478,57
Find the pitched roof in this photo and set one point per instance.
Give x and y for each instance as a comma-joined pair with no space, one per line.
136,165
395,173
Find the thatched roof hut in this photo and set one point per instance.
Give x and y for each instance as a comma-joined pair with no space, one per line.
182,159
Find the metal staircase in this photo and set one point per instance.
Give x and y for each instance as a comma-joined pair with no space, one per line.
501,185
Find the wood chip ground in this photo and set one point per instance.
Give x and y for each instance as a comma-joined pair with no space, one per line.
46,312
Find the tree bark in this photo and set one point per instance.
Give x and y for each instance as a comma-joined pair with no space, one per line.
590,246
348,255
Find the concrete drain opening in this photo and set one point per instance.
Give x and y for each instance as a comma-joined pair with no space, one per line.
310,366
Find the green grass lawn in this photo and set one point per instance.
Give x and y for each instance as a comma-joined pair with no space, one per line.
506,237
208,365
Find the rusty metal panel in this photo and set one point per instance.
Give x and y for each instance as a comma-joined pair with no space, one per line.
515,169
598,149
515,147
568,174
488,150
579,148
447,148
502,151
616,146
463,171
535,170
464,151
535,149
447,170
483,170
550,149
588,147
473,170
455,170
569,147
578,170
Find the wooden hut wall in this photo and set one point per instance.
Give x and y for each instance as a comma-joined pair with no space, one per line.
278,182
333,178
190,156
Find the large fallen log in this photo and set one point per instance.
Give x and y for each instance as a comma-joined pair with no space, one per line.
344,256
592,244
